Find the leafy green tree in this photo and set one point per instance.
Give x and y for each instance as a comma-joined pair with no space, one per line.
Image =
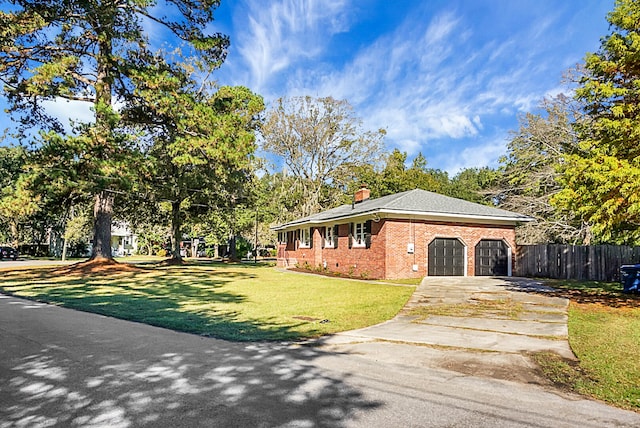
471,184
151,238
23,211
88,51
320,141
17,203
203,140
36,196
396,177
76,231
12,162
529,176
433,180
601,177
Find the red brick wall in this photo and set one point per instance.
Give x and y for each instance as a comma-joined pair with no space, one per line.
358,262
399,263
388,256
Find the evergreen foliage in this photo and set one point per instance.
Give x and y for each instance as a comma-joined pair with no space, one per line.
601,176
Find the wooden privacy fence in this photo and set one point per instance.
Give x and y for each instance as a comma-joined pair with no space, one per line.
591,263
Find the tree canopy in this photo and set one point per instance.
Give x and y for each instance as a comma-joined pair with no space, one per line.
89,52
202,140
529,175
320,141
601,176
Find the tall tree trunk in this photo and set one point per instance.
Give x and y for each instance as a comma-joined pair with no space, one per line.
194,247
233,256
102,213
64,249
13,226
176,234
103,208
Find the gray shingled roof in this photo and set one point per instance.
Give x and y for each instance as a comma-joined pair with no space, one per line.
419,202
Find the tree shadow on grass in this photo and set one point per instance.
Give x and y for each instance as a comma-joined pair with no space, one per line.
177,298
584,292
84,370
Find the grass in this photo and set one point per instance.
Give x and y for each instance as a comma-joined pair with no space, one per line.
239,302
505,308
604,333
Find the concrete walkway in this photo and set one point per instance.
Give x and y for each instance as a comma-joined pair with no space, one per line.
476,313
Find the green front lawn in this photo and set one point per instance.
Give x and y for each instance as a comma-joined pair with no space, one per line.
227,301
604,333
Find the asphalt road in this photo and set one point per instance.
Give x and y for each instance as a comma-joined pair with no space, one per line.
64,368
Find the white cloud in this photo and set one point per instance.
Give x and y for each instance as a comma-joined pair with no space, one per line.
65,111
436,81
279,33
473,156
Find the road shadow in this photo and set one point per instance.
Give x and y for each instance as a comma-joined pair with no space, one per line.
107,372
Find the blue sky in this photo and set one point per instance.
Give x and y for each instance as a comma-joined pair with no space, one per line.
445,78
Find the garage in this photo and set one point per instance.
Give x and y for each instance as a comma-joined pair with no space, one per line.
492,258
446,257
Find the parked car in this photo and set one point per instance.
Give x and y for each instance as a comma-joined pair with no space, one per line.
8,253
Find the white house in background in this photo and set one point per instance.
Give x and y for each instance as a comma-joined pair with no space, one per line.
123,241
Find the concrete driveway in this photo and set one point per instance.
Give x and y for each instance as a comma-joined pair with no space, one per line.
63,368
506,315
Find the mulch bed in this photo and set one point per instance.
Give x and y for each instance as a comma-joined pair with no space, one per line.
97,266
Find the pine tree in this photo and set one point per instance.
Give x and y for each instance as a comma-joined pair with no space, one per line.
88,51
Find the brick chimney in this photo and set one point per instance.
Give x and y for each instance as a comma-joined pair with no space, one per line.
362,194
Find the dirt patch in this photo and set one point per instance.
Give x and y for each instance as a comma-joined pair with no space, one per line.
492,365
561,372
97,267
172,262
505,308
511,367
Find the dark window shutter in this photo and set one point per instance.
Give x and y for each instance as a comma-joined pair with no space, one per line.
335,236
311,237
367,234
350,235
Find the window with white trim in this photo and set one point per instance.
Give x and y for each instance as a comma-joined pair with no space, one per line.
305,238
329,237
359,235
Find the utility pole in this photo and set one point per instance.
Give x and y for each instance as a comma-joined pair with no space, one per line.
255,251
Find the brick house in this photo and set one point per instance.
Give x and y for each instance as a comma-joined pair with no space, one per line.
406,235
